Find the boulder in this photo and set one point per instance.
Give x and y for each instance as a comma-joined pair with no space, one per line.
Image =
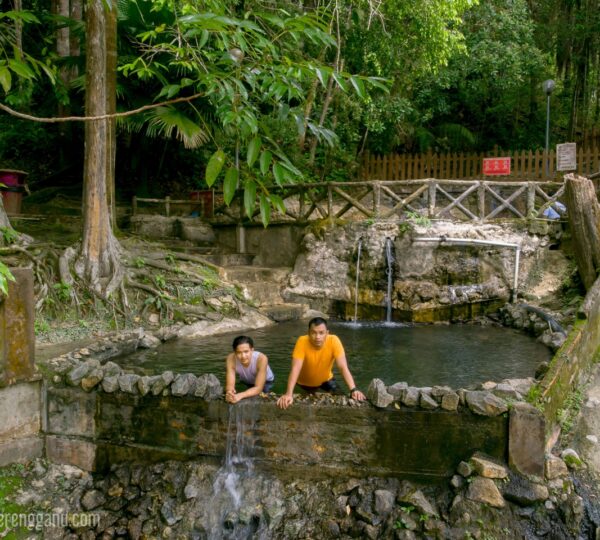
411,397
383,501
92,379
183,384
485,403
398,390
523,492
378,395
428,402
486,467
110,384
555,467
149,342
450,401
128,383
484,490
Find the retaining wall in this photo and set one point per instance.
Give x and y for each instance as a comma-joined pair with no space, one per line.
93,430
573,360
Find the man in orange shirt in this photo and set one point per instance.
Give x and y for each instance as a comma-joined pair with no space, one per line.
312,361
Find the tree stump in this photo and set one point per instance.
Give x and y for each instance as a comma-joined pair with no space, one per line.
584,220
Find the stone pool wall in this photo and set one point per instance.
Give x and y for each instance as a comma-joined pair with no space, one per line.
20,397
573,360
97,415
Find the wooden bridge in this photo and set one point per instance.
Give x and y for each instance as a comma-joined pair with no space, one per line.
458,200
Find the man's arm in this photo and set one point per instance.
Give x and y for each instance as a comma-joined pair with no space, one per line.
288,398
342,365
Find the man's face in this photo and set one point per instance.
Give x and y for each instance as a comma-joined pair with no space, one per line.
243,352
317,335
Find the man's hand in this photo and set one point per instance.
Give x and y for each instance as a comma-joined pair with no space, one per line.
285,401
358,395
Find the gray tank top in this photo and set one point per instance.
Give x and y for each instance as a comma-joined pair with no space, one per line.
248,374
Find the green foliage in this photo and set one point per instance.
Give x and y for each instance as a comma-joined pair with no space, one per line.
418,219
250,69
63,291
5,277
9,235
139,262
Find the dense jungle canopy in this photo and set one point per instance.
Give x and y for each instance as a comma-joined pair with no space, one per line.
274,85
189,94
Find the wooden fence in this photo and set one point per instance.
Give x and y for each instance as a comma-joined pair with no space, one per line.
525,165
461,200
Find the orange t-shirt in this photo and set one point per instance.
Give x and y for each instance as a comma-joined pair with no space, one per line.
317,362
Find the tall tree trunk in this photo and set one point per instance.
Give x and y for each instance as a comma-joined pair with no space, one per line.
111,107
98,264
4,221
584,220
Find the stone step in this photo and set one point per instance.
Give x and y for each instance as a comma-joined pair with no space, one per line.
261,274
231,259
262,293
283,312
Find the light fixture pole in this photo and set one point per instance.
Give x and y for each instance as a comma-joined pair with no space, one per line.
548,87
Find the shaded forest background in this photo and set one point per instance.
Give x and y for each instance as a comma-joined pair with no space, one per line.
461,76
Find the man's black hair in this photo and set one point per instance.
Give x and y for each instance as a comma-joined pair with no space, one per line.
240,340
317,321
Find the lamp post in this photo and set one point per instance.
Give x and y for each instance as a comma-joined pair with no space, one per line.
548,86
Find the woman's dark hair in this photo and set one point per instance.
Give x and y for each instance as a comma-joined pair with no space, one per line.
241,340
317,321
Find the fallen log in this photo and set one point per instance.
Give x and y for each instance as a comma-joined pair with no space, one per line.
584,220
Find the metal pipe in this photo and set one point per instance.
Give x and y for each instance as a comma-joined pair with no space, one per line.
470,241
357,280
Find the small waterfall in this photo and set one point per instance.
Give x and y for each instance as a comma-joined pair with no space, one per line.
359,249
232,516
390,275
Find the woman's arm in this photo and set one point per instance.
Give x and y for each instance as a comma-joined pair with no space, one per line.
259,383
230,377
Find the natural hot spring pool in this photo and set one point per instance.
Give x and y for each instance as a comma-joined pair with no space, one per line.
455,355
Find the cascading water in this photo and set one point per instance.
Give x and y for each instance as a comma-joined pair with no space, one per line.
232,509
357,279
390,274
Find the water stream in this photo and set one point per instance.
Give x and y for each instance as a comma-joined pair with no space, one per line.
233,514
389,256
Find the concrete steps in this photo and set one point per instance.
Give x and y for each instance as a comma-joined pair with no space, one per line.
230,259
263,286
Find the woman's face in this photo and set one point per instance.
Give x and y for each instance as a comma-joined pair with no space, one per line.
243,352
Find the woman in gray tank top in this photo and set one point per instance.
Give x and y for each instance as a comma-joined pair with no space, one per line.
252,368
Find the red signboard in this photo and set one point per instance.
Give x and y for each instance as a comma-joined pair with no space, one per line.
496,166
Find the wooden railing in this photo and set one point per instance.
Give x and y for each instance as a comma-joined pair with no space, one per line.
525,165
462,200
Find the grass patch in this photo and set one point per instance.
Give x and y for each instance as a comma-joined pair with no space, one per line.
11,480
572,405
